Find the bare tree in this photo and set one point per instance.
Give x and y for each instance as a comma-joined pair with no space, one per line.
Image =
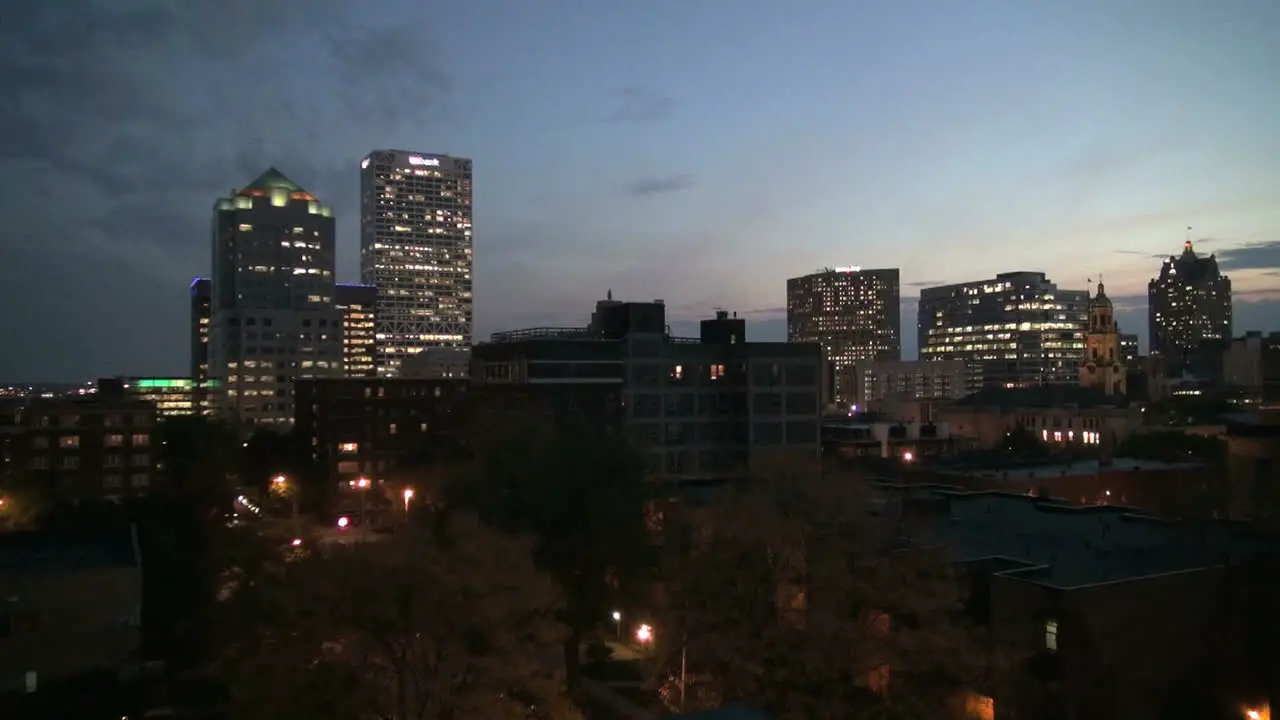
445,620
797,596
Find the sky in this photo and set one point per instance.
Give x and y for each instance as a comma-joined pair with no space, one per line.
700,152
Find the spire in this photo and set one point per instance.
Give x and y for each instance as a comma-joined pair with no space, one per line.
609,295
1101,290
1186,245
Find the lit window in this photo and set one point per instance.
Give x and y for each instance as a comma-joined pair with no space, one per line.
69,441
348,447
141,439
1051,635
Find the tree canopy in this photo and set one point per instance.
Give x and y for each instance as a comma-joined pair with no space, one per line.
581,498
797,598
448,619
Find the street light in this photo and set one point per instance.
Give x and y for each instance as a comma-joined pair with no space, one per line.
908,456
408,495
617,621
644,634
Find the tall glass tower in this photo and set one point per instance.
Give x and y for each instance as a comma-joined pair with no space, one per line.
415,248
272,302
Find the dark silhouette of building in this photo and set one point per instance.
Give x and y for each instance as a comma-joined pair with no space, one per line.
92,446
201,317
700,407
1188,304
377,428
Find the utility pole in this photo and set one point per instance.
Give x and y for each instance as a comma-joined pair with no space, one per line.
684,651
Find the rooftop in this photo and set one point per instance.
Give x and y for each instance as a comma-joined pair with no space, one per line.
36,551
1075,468
1045,396
1062,546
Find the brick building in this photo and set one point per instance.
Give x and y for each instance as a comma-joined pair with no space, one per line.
377,428
85,446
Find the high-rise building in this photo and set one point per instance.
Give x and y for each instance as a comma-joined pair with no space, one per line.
1103,366
273,314
852,312
1189,303
201,304
1129,348
356,304
415,247
1015,330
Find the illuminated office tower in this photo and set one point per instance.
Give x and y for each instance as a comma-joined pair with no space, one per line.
852,312
1016,330
415,248
273,316
201,298
1189,304
356,303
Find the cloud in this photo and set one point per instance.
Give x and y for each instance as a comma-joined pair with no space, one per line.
1261,255
658,185
925,283
640,105
124,135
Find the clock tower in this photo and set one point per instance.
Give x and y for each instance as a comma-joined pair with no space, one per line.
1103,364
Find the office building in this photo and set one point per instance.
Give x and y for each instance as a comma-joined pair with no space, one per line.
852,312
702,408
1129,348
1188,304
273,313
356,305
1015,330
171,396
1103,366
438,363
869,382
1252,364
415,247
201,316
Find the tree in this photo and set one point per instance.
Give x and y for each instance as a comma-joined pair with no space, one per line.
795,598
445,620
581,496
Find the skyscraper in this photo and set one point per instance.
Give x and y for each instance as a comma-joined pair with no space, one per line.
1188,304
853,313
201,296
272,306
356,303
415,247
1016,330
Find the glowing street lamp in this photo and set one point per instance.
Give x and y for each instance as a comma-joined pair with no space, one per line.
297,542
908,456
407,495
343,522
617,621
644,634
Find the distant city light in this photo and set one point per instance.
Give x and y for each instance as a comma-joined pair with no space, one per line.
343,522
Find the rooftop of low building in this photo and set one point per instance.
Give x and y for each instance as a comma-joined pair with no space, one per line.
1063,546
1044,396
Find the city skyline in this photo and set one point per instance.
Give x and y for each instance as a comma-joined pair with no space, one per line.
1074,141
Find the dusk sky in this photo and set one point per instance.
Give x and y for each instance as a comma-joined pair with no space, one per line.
700,151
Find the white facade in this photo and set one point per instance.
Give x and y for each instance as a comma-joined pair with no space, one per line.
416,248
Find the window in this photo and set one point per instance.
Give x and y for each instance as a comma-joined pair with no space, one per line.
141,439
111,481
69,463
140,480
717,372
113,440
348,447
1051,635
69,441
141,460
40,443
